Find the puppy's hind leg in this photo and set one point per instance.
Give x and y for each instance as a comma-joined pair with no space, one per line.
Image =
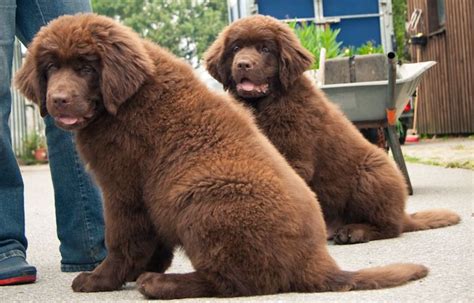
375,209
174,286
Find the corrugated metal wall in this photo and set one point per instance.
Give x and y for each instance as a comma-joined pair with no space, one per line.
446,94
18,125
25,118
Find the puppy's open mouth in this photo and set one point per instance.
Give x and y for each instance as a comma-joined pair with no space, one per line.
247,88
71,122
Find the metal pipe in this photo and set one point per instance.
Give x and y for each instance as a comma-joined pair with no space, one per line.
392,79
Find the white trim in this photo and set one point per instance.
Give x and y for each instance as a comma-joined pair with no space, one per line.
315,20
358,16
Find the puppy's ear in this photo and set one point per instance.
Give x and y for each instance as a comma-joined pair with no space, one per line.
214,61
32,83
294,58
125,65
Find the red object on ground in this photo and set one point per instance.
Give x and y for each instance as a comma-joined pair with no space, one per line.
412,138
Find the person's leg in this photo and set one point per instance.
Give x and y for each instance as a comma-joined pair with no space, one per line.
13,267
79,212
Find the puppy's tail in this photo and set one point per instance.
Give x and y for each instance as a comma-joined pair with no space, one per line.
380,277
430,219
388,276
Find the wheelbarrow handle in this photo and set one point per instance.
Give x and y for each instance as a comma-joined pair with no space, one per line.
392,78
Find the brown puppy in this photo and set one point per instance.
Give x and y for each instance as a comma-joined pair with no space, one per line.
362,194
180,165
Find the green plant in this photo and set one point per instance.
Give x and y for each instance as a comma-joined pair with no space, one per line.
399,127
365,49
369,48
426,136
313,38
31,145
348,51
399,9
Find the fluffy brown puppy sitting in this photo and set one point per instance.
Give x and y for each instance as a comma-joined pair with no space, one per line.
362,193
180,165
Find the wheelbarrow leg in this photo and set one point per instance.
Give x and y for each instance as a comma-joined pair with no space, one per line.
398,156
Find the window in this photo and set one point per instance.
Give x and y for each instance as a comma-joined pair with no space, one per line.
441,15
436,15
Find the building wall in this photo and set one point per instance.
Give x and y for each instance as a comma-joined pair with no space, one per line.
369,20
446,93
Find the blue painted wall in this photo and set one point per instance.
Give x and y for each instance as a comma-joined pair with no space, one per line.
286,9
354,32
349,7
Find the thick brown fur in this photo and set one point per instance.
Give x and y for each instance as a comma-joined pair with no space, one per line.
362,193
180,165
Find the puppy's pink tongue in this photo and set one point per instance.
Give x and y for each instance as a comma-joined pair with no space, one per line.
247,86
67,120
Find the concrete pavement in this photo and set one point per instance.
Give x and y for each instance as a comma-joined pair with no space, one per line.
448,252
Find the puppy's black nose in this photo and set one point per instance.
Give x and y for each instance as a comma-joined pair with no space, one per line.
244,64
60,99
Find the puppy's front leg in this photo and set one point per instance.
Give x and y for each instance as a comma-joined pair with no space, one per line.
131,244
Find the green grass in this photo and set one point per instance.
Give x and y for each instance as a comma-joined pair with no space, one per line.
466,164
446,136
459,147
469,164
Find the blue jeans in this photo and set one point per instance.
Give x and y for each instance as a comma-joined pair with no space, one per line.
79,212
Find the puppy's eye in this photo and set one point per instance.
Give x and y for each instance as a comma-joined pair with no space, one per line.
235,48
265,49
86,69
51,67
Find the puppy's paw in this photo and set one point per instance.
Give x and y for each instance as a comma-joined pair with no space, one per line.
151,285
350,234
90,282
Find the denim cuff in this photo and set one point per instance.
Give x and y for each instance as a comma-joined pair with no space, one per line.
79,267
12,253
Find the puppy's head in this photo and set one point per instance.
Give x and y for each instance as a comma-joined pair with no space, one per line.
80,67
256,56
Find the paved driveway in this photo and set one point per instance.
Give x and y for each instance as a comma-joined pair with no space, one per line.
448,252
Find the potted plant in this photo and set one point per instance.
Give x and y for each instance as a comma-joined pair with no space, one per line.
35,149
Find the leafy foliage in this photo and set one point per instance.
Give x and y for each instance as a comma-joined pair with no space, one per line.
369,48
313,38
399,8
185,27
